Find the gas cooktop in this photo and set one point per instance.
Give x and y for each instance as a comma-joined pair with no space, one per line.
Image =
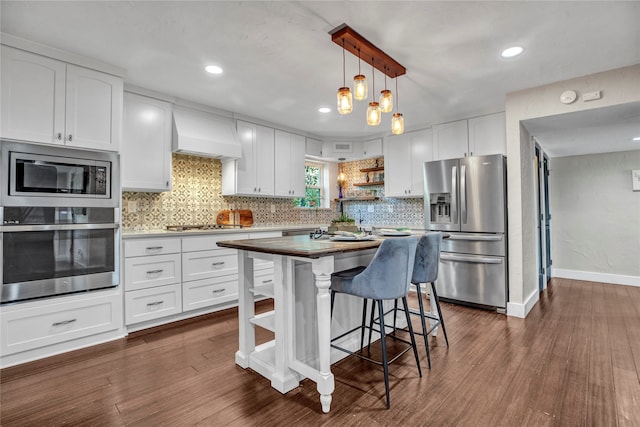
201,227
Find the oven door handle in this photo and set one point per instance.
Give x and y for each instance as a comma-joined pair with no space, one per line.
57,227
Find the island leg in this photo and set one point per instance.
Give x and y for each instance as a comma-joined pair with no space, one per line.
322,269
246,310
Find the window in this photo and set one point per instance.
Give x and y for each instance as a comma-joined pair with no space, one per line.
314,180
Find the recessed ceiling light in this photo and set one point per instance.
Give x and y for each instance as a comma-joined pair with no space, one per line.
324,109
213,69
637,138
512,51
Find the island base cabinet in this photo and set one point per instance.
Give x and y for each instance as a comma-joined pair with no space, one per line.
42,328
152,303
209,292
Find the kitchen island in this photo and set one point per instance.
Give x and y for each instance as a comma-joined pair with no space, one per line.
301,318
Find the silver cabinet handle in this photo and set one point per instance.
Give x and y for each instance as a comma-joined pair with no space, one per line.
70,137
217,291
463,193
59,136
478,238
154,248
155,271
454,197
63,322
59,227
151,304
267,281
255,189
217,263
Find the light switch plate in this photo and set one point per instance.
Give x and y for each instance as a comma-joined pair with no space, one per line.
635,180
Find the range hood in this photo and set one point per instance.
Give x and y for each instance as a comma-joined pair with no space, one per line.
203,134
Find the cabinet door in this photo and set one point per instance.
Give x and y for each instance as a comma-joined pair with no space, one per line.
450,140
373,148
397,176
244,166
487,135
146,134
289,164
264,160
33,91
93,109
421,151
313,147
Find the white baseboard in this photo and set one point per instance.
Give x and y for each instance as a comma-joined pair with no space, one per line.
521,310
616,279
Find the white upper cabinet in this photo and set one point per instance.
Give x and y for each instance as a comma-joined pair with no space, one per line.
450,140
313,147
289,164
146,134
49,101
372,148
404,156
487,135
253,173
478,136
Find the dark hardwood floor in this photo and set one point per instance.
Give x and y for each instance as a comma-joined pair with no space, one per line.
574,361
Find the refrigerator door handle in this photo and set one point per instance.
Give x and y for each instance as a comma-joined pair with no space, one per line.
468,258
463,193
454,197
468,237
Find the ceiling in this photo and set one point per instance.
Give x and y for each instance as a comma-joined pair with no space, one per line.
280,65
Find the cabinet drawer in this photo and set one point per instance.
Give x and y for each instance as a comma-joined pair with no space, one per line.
206,264
209,242
47,324
208,292
146,272
149,304
143,247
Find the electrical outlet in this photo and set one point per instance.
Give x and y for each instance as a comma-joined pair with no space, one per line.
370,208
390,208
273,208
132,206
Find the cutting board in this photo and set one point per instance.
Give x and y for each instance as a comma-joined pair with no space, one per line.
225,217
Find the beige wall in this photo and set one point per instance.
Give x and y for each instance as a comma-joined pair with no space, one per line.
618,86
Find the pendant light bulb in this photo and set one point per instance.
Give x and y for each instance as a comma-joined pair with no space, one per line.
374,115
397,121
360,88
386,97
344,97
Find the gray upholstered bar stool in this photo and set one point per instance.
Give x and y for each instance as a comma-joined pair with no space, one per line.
385,278
425,270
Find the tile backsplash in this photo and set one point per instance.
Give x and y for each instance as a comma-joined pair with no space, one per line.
196,198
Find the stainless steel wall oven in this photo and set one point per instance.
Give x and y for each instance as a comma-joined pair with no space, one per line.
59,221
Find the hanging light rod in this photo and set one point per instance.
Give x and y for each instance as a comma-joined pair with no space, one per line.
369,52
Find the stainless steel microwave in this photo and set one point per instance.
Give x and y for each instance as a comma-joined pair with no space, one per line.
36,175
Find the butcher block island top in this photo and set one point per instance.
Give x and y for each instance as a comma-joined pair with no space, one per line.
301,246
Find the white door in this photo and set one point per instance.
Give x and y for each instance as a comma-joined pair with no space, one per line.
245,169
421,151
397,172
264,160
487,135
450,140
33,92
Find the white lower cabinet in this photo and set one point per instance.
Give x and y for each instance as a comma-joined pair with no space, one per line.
152,303
42,328
169,279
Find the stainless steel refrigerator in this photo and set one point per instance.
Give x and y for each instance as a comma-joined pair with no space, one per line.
467,198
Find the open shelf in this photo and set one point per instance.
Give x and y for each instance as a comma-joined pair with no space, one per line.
264,290
368,184
355,199
378,169
265,320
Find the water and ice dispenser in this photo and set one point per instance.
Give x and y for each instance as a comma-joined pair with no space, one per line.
440,208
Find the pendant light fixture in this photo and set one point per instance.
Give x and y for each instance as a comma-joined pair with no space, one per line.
360,88
374,115
397,121
345,101
386,98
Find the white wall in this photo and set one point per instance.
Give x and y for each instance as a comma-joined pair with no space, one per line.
595,216
618,86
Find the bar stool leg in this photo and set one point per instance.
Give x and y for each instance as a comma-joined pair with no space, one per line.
435,295
413,339
425,334
385,365
364,320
